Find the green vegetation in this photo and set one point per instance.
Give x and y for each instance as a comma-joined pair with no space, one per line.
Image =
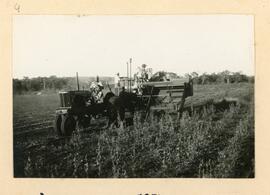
53,83
206,144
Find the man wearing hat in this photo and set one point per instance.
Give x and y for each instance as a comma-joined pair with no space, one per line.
96,89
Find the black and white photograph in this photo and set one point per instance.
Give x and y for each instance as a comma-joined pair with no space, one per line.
133,96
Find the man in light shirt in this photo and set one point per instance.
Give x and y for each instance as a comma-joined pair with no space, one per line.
117,80
96,89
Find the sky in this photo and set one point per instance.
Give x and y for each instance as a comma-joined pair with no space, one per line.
102,45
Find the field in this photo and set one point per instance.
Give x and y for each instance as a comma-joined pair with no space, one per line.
208,144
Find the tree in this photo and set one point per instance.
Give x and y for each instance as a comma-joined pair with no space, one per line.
226,76
17,86
195,77
204,78
213,78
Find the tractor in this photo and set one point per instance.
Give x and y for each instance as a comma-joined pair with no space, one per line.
66,116
76,108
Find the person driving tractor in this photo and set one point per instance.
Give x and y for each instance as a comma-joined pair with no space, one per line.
96,89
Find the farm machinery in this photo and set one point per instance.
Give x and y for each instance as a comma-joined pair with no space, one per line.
158,93
76,107
72,110
159,97
166,96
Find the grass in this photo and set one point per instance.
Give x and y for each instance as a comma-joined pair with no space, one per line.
206,144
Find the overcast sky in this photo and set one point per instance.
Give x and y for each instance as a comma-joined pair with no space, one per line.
101,45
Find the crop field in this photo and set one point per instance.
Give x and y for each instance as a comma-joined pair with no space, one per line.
209,143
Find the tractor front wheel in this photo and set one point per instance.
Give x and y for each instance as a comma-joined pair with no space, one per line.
68,125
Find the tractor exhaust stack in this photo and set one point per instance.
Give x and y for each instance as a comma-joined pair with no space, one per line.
78,85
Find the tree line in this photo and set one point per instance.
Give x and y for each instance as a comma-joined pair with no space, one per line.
221,77
54,83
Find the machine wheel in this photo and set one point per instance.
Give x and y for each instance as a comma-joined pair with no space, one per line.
57,124
68,125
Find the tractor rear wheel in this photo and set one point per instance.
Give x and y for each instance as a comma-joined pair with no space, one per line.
57,124
68,125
